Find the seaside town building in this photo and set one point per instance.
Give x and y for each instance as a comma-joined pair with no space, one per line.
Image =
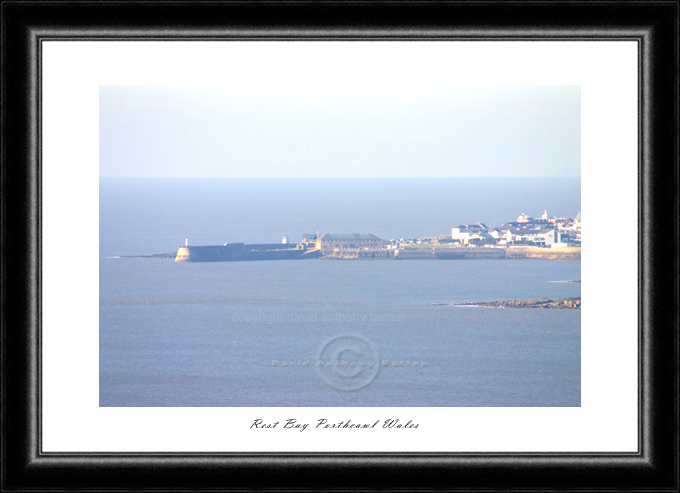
348,241
469,234
543,231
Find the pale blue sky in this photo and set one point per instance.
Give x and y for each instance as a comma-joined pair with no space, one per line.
339,131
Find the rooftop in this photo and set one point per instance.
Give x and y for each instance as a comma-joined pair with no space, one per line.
349,236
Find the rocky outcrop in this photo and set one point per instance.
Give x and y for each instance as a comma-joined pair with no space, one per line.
561,303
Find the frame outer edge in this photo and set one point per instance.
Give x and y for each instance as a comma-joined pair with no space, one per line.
26,467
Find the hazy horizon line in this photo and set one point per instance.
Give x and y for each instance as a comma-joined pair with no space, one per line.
339,177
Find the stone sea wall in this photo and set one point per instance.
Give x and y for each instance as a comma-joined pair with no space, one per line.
570,253
567,253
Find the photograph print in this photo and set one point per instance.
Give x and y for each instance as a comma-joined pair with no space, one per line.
326,245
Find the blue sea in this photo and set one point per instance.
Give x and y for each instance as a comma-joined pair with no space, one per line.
329,332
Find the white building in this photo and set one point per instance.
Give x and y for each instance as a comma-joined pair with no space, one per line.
461,233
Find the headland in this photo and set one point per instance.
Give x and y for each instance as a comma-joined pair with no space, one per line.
544,238
561,303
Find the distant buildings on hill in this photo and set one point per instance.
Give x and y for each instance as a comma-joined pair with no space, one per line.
544,231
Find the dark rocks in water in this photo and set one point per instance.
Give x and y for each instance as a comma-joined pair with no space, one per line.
562,303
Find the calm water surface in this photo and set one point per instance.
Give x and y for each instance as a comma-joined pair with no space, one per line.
218,334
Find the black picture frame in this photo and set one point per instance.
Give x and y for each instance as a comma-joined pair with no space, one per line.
654,25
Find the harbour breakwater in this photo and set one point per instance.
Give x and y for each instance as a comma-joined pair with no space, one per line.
359,255
427,253
449,253
524,252
459,253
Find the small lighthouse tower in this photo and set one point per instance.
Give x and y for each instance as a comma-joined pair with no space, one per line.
183,252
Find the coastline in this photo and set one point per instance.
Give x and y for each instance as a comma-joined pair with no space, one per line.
545,303
567,253
461,253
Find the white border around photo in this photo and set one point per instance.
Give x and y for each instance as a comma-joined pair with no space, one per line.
72,72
